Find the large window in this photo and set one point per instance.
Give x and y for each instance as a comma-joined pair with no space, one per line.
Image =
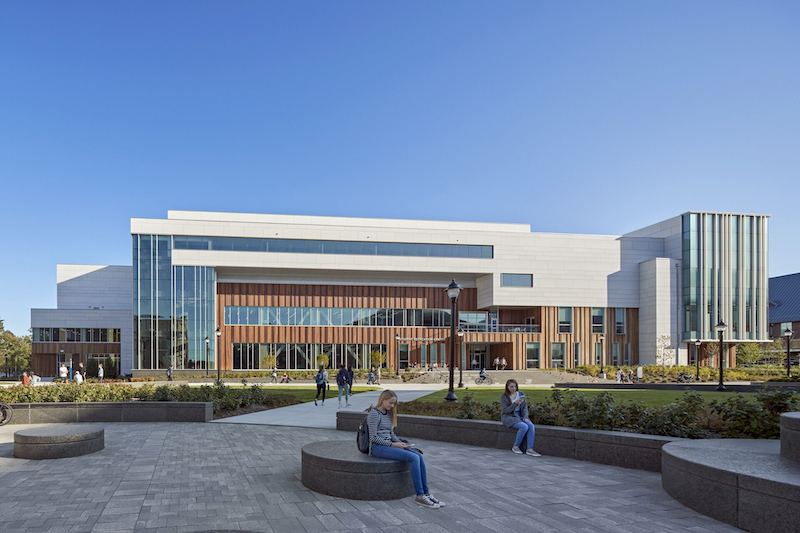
620,320
516,280
76,335
532,354
615,354
598,320
598,353
557,350
565,320
338,316
301,356
576,355
299,246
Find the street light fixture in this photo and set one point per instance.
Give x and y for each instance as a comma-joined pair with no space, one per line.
397,353
207,343
453,290
460,361
788,334
219,378
697,358
602,356
721,327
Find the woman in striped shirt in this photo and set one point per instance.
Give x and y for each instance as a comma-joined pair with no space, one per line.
382,420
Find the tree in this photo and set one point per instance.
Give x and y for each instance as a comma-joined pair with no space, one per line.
749,353
712,351
665,353
377,359
18,350
323,359
268,361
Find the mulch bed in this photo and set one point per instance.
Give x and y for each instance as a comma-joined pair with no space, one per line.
242,411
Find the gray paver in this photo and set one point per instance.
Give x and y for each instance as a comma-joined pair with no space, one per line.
183,477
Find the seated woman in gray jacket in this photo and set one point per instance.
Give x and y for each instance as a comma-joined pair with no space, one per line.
515,415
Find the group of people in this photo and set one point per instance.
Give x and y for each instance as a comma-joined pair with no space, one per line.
345,378
33,379
382,419
500,364
79,376
624,377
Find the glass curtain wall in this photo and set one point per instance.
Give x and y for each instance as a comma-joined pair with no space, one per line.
173,308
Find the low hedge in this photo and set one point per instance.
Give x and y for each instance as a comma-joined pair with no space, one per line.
223,398
669,374
690,417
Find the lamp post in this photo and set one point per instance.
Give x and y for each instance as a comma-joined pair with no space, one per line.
697,358
460,362
788,334
602,356
453,291
721,327
219,378
397,352
207,343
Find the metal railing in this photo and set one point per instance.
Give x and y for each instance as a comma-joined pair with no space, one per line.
501,328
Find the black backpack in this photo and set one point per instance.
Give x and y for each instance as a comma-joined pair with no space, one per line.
340,379
362,436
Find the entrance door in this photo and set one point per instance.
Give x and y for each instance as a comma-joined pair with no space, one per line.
478,356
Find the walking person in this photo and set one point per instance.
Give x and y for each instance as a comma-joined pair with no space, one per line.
342,377
169,373
274,375
381,420
82,370
503,362
497,363
514,414
25,379
321,379
100,372
371,377
351,379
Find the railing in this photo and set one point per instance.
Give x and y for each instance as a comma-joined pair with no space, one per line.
501,328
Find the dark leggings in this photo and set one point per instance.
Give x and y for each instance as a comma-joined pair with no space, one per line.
320,387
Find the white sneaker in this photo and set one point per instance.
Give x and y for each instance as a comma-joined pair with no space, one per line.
340,406
532,453
425,501
434,500
516,449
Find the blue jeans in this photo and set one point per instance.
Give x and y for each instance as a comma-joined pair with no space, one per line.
523,428
417,466
346,390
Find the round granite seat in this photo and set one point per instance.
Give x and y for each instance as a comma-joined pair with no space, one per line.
56,442
337,468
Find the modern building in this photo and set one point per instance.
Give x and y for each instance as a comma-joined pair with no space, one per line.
295,287
784,310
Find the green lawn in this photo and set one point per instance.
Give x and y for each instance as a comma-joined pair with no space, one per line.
306,394
488,395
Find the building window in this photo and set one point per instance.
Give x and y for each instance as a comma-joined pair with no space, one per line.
620,320
557,354
598,320
516,280
532,354
627,354
615,355
576,361
598,353
565,320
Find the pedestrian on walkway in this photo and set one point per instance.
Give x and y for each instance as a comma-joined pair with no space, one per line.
619,375
497,363
25,379
514,415
169,373
274,375
100,372
371,377
503,362
352,377
321,378
342,378
82,370
381,420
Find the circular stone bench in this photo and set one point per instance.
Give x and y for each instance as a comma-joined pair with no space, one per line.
57,442
337,468
743,482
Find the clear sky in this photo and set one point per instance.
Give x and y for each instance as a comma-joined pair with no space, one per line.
574,117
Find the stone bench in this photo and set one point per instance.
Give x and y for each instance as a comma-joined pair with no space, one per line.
134,411
337,468
56,442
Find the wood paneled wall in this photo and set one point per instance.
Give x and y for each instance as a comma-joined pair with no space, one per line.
45,354
512,346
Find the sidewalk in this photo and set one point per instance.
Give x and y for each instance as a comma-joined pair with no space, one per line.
324,416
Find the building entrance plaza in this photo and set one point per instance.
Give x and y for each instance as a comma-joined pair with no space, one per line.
175,477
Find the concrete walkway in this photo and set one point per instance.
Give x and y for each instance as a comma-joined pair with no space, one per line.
324,416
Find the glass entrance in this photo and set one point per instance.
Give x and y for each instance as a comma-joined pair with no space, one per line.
478,356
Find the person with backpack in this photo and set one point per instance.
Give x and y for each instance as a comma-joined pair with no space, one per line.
342,382
351,379
381,421
321,379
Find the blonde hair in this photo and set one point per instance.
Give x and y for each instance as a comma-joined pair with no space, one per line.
387,395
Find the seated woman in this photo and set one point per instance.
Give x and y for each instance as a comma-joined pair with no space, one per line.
382,420
514,414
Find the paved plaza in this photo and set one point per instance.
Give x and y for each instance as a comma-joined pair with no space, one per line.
213,477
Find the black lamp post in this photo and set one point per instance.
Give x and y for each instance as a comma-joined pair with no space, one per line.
721,327
397,353
602,356
207,343
460,362
788,334
697,358
219,378
453,291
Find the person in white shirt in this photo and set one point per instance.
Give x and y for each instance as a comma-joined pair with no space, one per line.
63,372
78,377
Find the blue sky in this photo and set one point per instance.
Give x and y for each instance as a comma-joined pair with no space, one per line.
575,117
